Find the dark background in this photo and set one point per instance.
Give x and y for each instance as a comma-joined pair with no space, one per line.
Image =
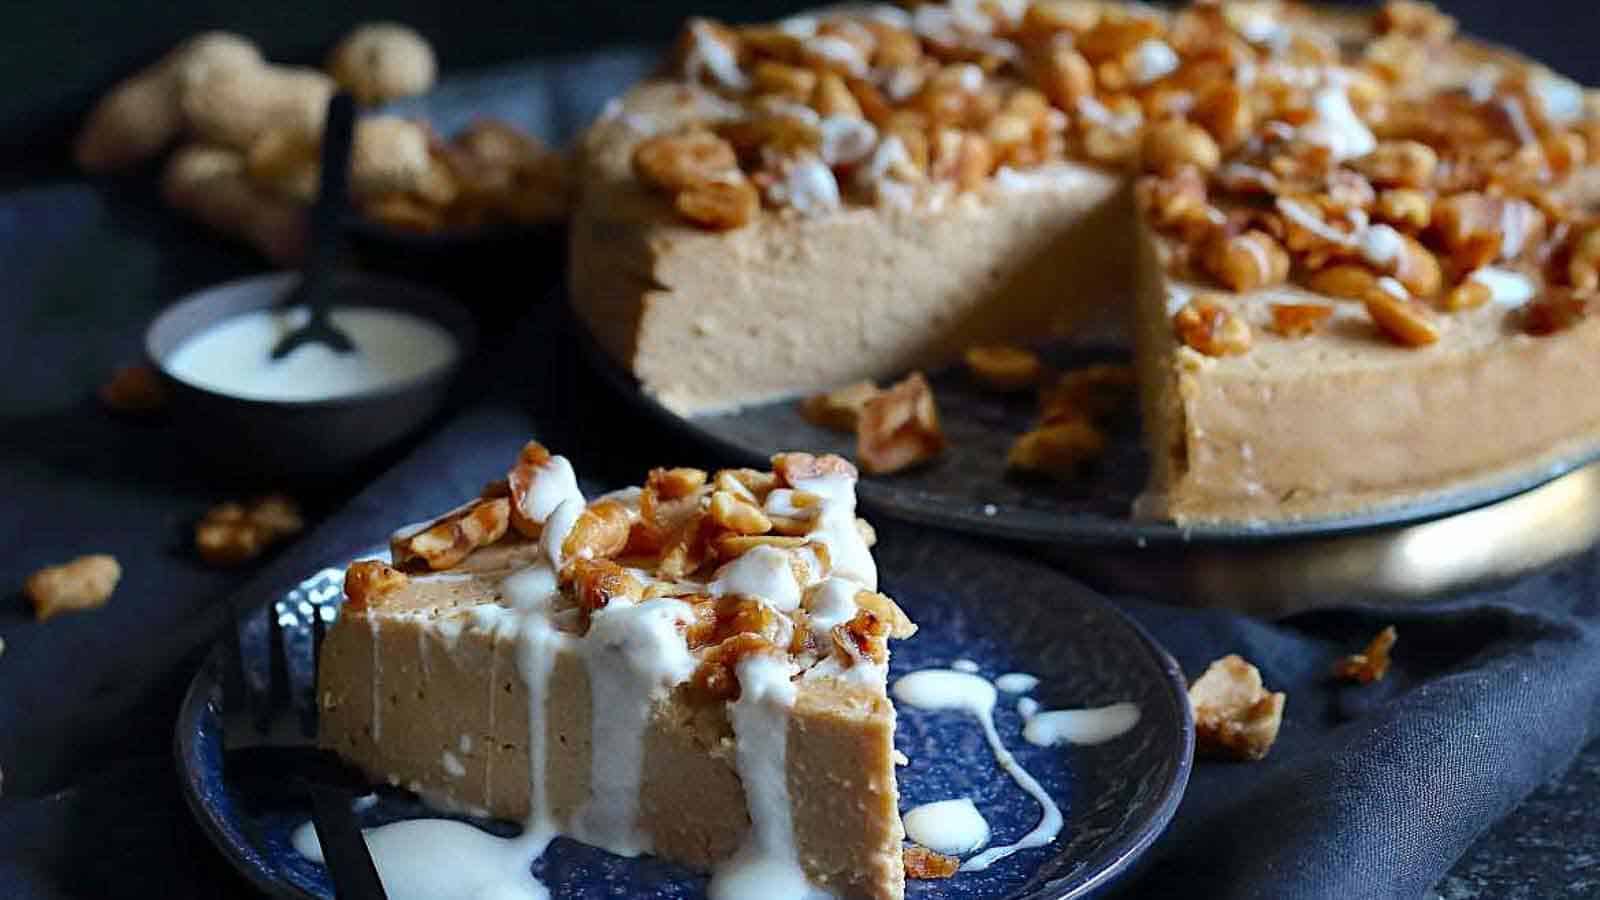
55,58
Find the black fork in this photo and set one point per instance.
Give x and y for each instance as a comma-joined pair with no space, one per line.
269,729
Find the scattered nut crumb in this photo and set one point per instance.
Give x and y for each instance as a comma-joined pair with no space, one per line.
134,390
1370,664
1093,393
1234,715
1003,367
839,410
899,428
926,865
900,759
1058,450
84,583
232,533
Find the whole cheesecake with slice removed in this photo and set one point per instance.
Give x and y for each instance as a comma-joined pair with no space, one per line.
1356,254
694,669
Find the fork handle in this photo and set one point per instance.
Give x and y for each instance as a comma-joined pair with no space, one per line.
349,861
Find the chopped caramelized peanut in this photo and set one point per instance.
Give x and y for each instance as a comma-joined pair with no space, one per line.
1583,269
832,97
839,410
232,533
794,82
85,583
450,540
865,638
1091,393
368,581
718,619
1297,320
1478,229
922,864
1420,20
1002,367
729,546
675,484
792,468
899,428
1234,716
1064,76
760,483
1225,112
1247,262
1348,281
720,205
1554,312
1057,449
1370,664
1205,325
596,582
889,612
1405,322
1406,209
1416,268
1468,294
716,679
676,162
600,532
687,548
1400,164
1174,143
738,515
134,390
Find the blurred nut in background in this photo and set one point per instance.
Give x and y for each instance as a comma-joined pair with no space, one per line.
383,61
233,533
84,583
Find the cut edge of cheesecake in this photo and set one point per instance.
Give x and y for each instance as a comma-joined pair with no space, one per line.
645,723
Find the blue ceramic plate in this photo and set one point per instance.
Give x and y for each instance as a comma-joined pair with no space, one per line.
1001,612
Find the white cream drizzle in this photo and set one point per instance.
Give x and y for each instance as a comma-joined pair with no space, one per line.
951,827
557,528
554,483
441,859
1506,287
1080,726
767,864
964,665
1334,123
945,689
709,56
634,654
763,572
846,140
1017,682
1153,60
807,186
836,528
1027,706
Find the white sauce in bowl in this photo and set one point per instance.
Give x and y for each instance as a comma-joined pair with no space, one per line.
234,356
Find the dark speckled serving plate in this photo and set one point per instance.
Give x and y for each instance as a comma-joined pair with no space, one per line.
968,488
1004,613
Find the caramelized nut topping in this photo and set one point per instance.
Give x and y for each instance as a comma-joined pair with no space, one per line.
1555,312
793,468
716,679
839,410
1174,143
1405,322
719,205
675,484
677,162
596,582
899,428
445,543
233,533
1057,449
85,583
1248,262
922,864
1207,326
600,532
738,515
1297,320
1466,295
1370,664
368,581
1001,367
1234,716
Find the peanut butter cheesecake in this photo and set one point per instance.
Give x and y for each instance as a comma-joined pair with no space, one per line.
1355,253
694,668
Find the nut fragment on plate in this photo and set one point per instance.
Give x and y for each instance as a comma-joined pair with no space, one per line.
1093,393
134,390
233,533
923,864
899,428
447,541
1370,664
1234,715
1003,367
84,583
1057,449
840,409
368,581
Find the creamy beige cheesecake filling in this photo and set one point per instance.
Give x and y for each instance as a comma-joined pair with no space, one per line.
535,679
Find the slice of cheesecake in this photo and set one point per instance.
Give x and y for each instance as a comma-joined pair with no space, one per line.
1391,230
693,669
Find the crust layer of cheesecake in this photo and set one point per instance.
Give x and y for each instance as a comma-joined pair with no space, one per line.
451,723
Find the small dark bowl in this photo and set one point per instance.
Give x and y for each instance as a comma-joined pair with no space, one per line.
302,437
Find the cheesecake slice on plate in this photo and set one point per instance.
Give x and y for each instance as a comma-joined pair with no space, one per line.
693,668
1355,254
